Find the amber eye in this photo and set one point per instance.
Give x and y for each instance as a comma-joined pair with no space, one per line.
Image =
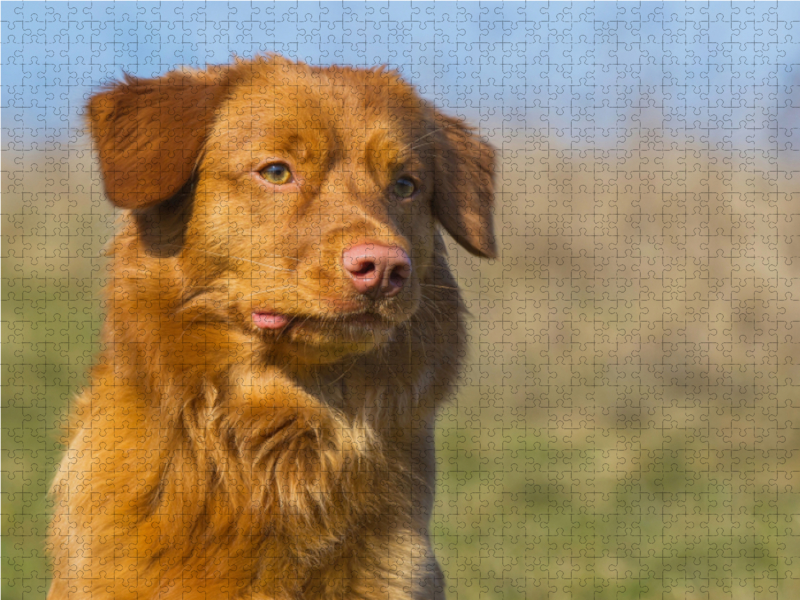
277,173
404,187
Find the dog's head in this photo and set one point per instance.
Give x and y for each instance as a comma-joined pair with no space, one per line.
306,198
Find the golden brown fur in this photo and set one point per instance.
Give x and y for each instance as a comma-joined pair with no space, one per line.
209,457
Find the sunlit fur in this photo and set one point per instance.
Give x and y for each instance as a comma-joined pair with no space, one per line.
212,459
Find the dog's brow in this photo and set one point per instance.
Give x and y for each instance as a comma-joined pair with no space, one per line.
384,152
302,144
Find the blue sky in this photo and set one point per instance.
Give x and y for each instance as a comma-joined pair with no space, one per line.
584,72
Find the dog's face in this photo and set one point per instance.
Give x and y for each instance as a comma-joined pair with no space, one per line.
320,182
314,196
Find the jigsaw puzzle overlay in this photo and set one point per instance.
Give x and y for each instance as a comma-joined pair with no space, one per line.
627,424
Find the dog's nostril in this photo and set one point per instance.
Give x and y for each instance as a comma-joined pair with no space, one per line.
365,269
396,279
398,276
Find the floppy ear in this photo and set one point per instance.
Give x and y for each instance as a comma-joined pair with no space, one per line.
464,185
150,132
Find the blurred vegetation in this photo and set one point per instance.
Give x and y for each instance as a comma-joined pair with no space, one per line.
54,224
627,426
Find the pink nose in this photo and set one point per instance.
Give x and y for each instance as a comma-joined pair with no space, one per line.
376,269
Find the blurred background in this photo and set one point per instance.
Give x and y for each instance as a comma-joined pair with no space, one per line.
629,422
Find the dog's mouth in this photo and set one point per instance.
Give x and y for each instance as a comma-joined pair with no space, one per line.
269,320
279,322
324,339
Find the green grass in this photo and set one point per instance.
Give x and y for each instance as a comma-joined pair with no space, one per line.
49,335
521,514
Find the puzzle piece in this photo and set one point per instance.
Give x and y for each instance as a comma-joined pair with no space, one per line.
626,423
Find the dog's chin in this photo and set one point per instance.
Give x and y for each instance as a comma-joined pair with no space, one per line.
325,339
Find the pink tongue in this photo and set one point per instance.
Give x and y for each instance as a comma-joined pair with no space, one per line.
270,320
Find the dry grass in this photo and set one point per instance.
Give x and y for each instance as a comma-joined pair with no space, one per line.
630,426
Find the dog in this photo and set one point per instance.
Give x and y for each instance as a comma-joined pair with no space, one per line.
281,327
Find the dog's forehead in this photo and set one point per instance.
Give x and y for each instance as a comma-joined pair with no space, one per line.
357,106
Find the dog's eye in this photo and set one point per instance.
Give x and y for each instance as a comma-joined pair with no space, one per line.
404,187
276,173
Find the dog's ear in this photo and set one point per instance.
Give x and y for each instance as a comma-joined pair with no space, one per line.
150,132
464,185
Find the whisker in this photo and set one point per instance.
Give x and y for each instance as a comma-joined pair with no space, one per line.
188,326
456,289
421,146
350,368
411,146
275,289
431,306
